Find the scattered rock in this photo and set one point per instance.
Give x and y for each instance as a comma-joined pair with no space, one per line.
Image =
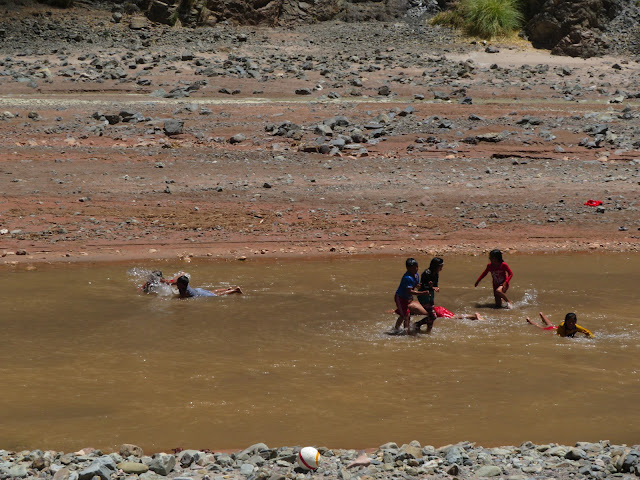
133,467
237,138
173,127
128,449
162,463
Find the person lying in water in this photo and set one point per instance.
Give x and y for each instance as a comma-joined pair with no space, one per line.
185,291
416,309
568,328
442,312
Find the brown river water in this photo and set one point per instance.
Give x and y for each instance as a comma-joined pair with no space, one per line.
303,359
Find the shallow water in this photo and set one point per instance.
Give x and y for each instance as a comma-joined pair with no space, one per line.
302,357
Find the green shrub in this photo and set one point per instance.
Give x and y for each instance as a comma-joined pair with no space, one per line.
451,18
482,18
174,17
491,18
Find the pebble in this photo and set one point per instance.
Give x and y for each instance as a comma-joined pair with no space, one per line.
237,138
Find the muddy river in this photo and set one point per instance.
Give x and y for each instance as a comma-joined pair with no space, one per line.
302,357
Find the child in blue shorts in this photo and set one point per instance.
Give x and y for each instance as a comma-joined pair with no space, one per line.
404,294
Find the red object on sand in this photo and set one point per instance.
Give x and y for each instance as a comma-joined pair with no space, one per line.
593,203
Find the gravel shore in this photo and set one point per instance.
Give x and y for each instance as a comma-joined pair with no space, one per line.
464,460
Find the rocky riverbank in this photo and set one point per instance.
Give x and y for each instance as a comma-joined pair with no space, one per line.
464,460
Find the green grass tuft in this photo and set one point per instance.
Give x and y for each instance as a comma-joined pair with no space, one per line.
451,18
491,18
173,19
482,18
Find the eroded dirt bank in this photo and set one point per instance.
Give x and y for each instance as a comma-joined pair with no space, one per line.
320,140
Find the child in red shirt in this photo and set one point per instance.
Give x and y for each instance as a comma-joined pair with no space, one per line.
501,275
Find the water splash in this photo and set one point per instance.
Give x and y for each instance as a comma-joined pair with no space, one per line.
530,297
140,276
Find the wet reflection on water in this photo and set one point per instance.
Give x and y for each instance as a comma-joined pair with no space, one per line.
302,357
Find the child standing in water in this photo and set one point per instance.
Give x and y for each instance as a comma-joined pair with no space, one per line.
428,287
501,275
404,294
568,328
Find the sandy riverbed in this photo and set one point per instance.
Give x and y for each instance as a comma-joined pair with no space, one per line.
466,151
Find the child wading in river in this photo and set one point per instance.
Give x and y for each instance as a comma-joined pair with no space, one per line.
404,294
501,275
428,287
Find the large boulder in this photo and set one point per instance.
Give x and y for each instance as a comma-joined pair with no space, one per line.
581,43
577,23
162,12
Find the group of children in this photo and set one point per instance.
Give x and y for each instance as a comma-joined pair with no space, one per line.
425,286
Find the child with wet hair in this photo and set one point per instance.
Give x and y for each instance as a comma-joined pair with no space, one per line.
568,328
501,275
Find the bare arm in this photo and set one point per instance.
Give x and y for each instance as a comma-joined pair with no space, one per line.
585,331
173,280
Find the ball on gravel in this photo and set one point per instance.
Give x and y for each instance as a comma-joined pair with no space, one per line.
309,458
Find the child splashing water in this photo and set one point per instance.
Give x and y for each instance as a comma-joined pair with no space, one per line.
156,283
501,275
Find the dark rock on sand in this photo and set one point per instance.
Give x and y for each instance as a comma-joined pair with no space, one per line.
173,127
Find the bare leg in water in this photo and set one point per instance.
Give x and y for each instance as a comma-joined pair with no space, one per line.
227,291
470,316
418,310
546,321
499,295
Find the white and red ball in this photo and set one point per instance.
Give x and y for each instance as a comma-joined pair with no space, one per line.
309,458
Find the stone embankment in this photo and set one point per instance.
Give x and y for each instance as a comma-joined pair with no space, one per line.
463,461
